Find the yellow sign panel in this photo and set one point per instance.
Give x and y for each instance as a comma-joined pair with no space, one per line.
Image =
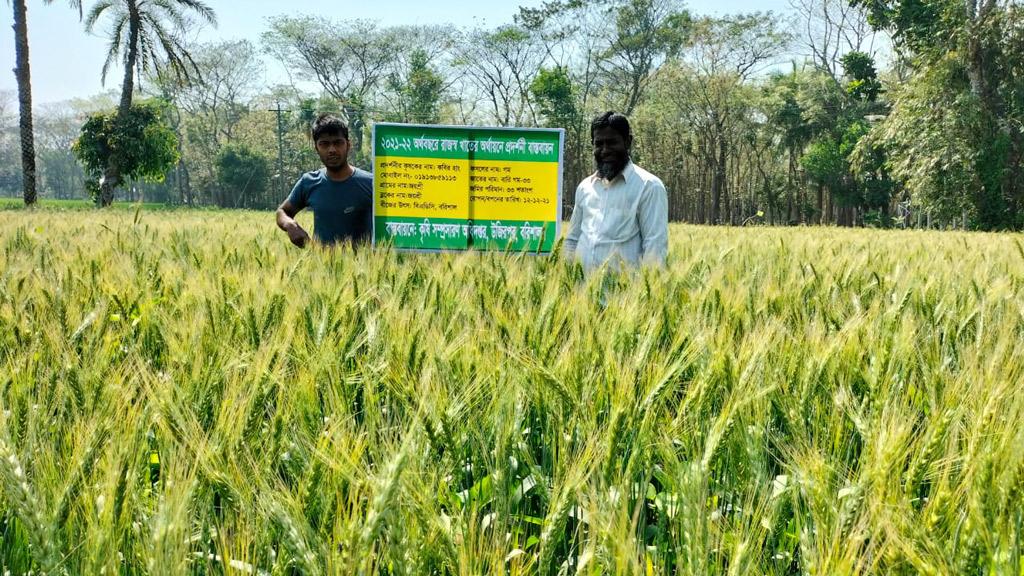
512,190
421,187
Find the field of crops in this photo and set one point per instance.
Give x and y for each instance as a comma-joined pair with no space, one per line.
54,204
186,393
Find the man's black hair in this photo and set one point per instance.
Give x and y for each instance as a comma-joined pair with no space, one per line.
329,124
613,120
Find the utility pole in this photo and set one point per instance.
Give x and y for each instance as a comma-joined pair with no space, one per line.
280,149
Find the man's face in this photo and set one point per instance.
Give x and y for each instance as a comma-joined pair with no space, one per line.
611,152
333,150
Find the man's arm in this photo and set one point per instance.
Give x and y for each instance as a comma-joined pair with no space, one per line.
286,221
575,228
653,218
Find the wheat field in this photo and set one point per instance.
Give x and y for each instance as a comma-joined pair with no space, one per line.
186,393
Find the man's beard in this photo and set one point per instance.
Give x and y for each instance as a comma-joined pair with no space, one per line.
609,170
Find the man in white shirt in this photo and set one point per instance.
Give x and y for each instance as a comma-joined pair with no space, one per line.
621,211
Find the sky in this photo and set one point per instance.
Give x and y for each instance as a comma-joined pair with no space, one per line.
66,62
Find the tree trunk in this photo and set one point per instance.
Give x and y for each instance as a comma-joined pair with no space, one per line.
977,70
184,183
802,204
112,177
733,195
180,170
753,193
831,209
821,205
718,182
1012,185
984,84
791,185
702,200
24,78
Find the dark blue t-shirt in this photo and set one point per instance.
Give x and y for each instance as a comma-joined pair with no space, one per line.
341,210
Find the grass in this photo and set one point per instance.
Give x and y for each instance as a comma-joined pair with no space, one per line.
53,204
188,394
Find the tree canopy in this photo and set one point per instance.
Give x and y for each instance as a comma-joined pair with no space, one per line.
142,139
851,112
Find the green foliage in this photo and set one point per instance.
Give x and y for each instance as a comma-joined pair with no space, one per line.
863,82
143,144
785,108
508,35
726,139
646,27
825,163
243,172
869,166
920,25
552,88
941,146
536,18
835,116
350,60
705,130
646,33
420,91
953,135
830,163
824,105
852,135
424,90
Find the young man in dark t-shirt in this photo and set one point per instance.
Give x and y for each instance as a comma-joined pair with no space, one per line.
340,195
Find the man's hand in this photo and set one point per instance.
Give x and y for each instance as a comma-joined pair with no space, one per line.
297,235
286,221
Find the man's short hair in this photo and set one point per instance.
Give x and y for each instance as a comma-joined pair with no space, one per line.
329,124
613,120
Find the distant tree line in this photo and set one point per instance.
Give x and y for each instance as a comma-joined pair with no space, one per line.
862,112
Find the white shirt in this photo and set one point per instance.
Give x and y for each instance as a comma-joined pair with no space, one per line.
625,218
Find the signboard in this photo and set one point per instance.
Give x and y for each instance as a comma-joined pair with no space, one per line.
460,188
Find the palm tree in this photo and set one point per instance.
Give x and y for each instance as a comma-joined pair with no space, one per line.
23,76
144,34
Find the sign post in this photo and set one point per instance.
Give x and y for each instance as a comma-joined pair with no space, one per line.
460,188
